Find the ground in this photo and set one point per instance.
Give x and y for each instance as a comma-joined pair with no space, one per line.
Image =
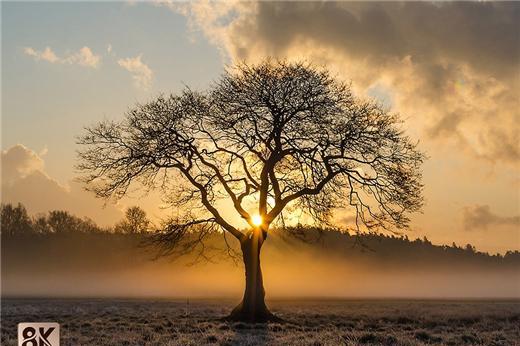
307,322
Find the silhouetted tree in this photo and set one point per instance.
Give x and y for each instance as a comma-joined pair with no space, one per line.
135,221
281,136
470,248
87,225
61,221
40,225
15,220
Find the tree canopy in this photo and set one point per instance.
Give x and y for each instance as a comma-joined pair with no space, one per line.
285,136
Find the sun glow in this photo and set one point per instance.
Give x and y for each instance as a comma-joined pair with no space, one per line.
256,220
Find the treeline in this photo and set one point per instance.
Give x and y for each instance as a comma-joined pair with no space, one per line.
15,221
391,247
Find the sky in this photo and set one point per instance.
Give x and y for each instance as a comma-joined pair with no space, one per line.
452,70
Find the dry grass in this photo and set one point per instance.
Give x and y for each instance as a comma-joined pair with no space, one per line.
326,322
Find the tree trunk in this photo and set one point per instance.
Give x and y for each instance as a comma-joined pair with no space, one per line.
252,308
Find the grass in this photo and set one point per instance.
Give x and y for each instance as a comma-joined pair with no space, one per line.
319,322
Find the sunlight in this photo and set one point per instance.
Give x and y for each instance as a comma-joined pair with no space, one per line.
256,220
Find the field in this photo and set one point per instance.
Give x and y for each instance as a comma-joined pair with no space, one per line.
307,322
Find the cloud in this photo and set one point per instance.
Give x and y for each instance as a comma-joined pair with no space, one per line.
452,67
481,217
83,57
25,181
18,162
47,54
141,73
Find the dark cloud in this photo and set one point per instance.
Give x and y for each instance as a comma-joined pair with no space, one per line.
454,64
481,217
486,35
447,124
504,145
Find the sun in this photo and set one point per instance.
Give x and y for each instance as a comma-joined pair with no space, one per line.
256,220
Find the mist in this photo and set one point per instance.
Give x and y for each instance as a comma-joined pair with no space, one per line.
335,266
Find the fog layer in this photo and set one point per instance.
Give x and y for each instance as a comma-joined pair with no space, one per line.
336,266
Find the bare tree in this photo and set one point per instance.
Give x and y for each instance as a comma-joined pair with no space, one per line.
61,222
272,138
14,220
135,221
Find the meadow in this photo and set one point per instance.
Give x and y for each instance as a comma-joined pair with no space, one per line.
306,322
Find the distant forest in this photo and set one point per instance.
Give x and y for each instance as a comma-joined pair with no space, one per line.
15,220
16,223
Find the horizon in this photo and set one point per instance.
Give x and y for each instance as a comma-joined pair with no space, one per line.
112,229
